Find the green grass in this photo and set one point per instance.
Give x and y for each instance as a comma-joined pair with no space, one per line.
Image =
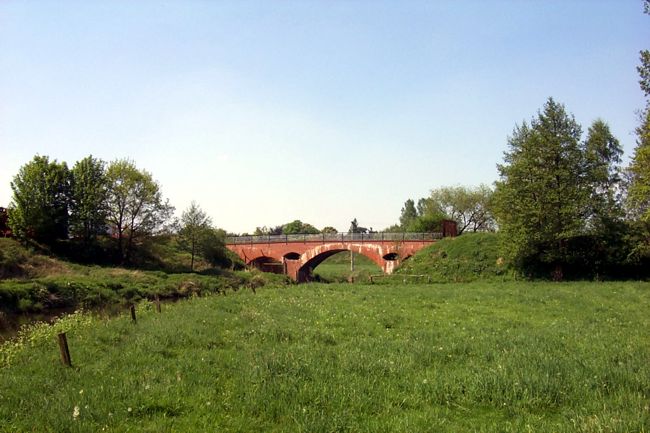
95,286
337,268
469,257
485,357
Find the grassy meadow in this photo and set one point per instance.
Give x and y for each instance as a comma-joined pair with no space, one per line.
484,357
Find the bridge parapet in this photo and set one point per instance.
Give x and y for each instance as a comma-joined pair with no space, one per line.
333,237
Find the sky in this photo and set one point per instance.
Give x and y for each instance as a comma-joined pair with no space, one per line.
264,112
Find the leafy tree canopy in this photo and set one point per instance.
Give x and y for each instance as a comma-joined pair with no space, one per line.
41,192
298,227
195,225
542,197
88,199
135,205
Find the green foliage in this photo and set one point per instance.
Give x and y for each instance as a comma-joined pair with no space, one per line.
470,257
41,334
96,286
12,258
542,198
195,225
638,172
603,153
298,227
213,249
638,191
88,199
409,214
135,205
41,192
329,230
331,358
644,72
469,207
428,223
266,231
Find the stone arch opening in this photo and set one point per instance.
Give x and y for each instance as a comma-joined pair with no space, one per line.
267,264
306,271
391,256
292,256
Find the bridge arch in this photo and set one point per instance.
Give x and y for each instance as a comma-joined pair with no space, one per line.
297,255
267,264
310,259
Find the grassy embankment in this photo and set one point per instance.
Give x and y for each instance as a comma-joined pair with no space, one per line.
469,257
31,282
489,357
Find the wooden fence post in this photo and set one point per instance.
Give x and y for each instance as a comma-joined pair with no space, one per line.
63,347
133,313
157,303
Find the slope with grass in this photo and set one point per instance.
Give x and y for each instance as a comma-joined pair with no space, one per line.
469,257
32,282
489,357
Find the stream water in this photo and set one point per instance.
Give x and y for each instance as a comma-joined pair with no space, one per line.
10,323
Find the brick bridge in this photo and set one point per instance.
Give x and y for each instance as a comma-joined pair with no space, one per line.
298,255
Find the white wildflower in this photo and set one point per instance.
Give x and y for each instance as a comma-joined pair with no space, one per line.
75,413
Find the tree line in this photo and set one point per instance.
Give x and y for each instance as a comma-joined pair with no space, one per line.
469,207
566,205
102,211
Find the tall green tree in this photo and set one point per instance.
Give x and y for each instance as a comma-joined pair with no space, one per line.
603,158
135,206
41,195
638,192
408,214
88,199
195,225
638,172
542,196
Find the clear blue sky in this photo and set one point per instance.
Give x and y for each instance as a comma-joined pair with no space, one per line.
264,112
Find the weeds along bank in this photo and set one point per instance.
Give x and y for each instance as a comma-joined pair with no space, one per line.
98,287
31,282
493,357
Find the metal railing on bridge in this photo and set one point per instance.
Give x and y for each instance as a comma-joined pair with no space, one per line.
334,237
